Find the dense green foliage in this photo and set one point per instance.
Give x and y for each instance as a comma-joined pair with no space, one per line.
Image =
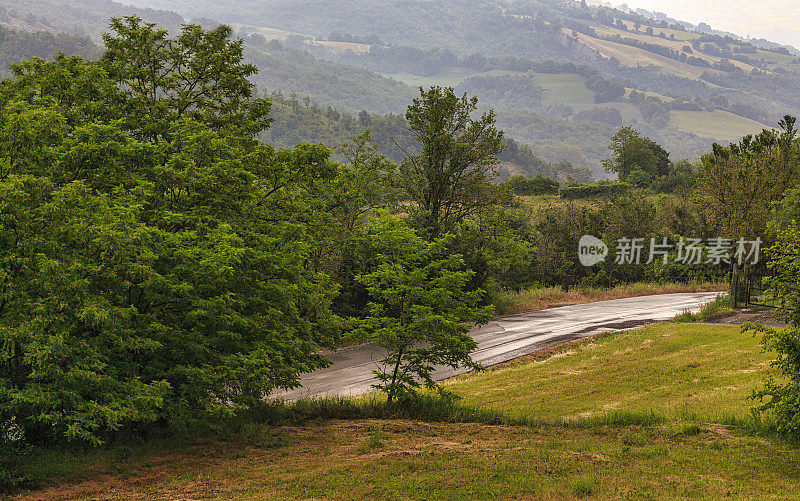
781,397
637,160
152,270
419,309
742,181
770,205
448,180
599,189
160,264
559,225
537,185
784,261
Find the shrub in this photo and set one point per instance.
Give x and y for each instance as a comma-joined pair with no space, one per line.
720,304
595,190
640,178
782,396
537,185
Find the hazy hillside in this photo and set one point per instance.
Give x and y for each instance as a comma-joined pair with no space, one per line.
298,120
80,17
683,86
344,87
17,45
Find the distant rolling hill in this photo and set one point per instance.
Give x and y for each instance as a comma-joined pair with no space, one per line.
17,45
680,85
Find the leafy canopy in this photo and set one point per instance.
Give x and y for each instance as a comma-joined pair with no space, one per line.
419,311
636,159
153,253
448,181
740,182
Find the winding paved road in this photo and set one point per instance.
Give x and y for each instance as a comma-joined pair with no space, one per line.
505,338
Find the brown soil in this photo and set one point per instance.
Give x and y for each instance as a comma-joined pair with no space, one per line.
765,316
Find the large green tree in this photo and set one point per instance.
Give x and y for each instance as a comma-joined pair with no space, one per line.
636,157
740,182
153,254
200,74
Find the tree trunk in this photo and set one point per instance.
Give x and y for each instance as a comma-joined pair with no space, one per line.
394,376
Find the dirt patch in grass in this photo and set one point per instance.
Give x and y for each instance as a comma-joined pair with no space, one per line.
765,316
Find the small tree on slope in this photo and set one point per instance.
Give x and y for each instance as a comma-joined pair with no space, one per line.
419,311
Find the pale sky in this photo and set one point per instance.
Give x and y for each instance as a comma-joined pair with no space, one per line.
776,20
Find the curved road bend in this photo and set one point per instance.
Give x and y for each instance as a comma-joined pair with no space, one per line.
505,338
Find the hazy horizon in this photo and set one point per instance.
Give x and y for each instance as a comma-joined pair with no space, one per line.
775,20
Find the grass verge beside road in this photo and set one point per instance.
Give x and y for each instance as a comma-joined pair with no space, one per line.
546,297
682,372
391,459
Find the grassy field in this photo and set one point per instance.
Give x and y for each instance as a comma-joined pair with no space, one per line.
392,459
338,48
675,45
688,372
785,61
679,35
654,413
450,77
633,56
564,88
716,124
268,33
570,89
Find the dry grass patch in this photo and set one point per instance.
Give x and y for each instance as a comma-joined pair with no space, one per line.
447,461
547,297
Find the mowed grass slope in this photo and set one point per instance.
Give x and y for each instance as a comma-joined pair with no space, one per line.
642,414
692,372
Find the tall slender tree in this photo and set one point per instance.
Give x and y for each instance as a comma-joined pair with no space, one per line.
449,180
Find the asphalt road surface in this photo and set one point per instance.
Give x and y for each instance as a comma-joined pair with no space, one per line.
506,338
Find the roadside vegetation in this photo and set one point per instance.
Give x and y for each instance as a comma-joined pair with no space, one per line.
719,306
548,297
